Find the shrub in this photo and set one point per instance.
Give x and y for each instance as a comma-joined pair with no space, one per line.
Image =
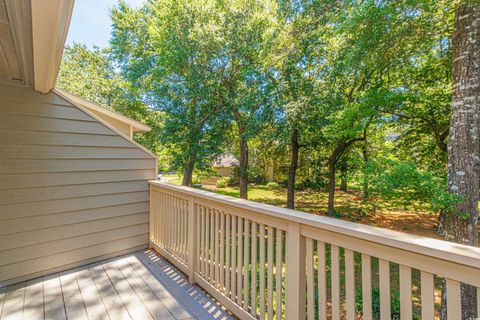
272,185
224,182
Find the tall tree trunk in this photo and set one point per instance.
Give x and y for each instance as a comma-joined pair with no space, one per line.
365,173
331,186
188,173
292,172
463,143
343,177
243,166
332,162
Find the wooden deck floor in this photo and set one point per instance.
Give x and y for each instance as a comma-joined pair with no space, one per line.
141,285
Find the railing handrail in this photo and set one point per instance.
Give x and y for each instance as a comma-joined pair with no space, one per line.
439,249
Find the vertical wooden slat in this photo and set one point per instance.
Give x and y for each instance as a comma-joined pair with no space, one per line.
227,258
204,242
454,310
262,271
217,249
233,279
278,274
211,269
366,287
246,261
310,280
405,293
478,302
254,270
270,272
335,282
384,276
175,226
321,281
207,242
221,265
240,261
349,284
428,295
198,237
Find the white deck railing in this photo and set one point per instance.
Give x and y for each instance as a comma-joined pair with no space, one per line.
266,262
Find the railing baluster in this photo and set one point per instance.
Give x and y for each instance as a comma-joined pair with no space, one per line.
478,302
270,272
454,310
321,281
211,267
253,299
349,284
239,261
335,260
278,274
227,258
246,258
216,248
310,280
384,275
222,252
405,293
262,271
233,279
427,295
366,287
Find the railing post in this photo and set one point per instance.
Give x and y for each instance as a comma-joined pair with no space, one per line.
192,236
295,282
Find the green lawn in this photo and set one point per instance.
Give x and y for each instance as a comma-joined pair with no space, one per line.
349,205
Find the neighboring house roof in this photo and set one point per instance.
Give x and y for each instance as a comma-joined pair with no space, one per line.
136,126
226,160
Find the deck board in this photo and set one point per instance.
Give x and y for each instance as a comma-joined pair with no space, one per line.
14,300
34,305
53,298
141,285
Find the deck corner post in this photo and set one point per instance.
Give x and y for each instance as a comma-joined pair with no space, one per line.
295,283
192,236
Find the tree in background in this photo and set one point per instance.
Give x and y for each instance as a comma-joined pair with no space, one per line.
91,74
164,49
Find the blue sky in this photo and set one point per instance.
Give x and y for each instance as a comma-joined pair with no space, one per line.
91,23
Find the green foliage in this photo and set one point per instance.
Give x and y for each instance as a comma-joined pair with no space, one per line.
405,182
224,182
365,83
394,303
272,185
91,74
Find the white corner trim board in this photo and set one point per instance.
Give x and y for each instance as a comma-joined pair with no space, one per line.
50,22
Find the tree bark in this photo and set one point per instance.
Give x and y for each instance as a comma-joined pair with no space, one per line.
461,219
243,166
188,173
332,161
343,177
292,172
365,186
331,186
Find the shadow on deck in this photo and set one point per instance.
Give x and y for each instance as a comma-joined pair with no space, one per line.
141,285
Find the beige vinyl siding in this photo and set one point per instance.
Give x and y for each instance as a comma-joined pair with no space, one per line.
72,189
